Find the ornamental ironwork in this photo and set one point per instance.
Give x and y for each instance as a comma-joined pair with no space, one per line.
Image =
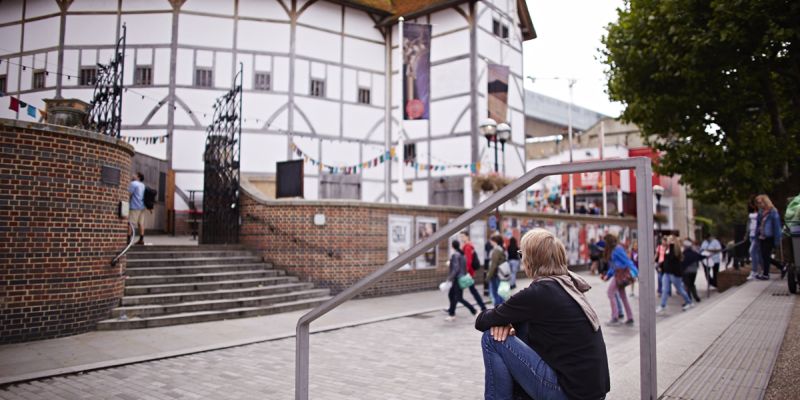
221,172
105,109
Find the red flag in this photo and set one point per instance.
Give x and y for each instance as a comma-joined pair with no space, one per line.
14,105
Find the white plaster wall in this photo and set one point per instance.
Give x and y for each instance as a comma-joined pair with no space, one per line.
39,34
318,44
367,55
37,8
147,28
450,116
359,24
209,6
359,120
323,115
11,35
195,29
139,5
184,69
448,20
93,5
260,152
324,15
450,45
253,36
91,29
262,9
223,72
450,79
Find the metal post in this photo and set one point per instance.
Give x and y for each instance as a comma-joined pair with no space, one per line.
121,81
647,331
496,168
401,125
603,182
647,302
569,127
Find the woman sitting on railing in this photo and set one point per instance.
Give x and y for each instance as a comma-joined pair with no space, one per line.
546,337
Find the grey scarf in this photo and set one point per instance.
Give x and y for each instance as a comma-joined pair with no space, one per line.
575,286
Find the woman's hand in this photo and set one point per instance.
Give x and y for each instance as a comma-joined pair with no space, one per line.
501,333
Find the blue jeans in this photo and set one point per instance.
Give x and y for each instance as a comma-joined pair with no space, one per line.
755,255
660,280
674,280
513,360
514,264
494,284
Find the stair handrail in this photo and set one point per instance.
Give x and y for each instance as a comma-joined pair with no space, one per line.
115,260
644,217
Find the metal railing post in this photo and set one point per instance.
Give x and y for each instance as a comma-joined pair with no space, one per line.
643,171
647,303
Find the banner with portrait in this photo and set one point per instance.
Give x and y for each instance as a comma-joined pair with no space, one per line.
426,227
498,92
416,71
401,228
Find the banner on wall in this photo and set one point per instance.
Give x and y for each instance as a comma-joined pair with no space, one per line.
426,227
416,71
498,92
400,236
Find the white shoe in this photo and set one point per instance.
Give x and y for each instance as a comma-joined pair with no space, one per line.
660,309
450,319
687,306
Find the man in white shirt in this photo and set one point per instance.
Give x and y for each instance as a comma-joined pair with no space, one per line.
711,247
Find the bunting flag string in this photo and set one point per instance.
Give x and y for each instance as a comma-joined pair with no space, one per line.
145,139
388,155
18,105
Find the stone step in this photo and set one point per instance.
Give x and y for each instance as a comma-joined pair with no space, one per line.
169,254
194,269
177,262
203,277
152,310
184,297
201,247
205,316
138,290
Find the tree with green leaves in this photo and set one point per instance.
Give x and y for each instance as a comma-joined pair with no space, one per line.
715,85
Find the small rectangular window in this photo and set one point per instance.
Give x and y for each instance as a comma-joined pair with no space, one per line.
496,27
38,80
504,33
3,83
409,152
263,81
143,75
203,77
364,96
317,88
88,76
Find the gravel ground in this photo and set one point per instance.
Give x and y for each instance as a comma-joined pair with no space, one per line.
784,384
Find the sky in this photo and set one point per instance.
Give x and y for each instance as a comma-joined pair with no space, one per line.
568,38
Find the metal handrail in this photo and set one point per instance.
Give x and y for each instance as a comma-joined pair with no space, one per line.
125,250
647,343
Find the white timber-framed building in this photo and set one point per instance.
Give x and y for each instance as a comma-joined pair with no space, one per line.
321,74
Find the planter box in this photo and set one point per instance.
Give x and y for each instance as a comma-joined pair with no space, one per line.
731,277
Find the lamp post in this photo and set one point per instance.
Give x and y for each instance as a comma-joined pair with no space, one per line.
489,129
503,135
658,190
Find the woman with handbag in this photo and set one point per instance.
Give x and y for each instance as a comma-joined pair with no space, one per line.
673,275
458,277
496,257
621,272
546,338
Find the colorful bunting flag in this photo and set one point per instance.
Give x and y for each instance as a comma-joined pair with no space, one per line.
32,111
14,104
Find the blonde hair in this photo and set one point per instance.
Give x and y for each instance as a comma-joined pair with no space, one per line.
542,254
765,199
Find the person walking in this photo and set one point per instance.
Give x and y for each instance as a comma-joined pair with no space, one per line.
594,256
546,337
620,274
752,234
690,266
473,264
769,234
661,250
137,208
711,249
496,257
634,256
513,261
673,275
458,268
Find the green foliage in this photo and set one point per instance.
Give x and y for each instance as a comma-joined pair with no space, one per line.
715,84
720,218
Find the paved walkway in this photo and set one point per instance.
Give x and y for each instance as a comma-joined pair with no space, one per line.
391,347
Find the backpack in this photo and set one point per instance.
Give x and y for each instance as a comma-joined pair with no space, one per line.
149,197
504,271
476,263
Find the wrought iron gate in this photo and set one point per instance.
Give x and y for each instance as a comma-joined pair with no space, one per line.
105,112
221,219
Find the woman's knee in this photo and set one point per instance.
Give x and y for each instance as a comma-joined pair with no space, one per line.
487,338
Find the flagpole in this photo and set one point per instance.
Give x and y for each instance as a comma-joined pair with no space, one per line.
401,163
602,147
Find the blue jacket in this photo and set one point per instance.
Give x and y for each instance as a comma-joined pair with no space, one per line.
619,260
772,226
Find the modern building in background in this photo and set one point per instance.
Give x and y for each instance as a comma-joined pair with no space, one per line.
321,80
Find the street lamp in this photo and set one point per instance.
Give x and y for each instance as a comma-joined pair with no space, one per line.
503,135
658,190
489,129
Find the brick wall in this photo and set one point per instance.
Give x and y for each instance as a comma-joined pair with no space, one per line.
58,229
352,243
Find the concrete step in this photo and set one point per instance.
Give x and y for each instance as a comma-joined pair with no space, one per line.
202,277
204,316
168,254
184,297
194,269
178,262
152,310
138,290
201,247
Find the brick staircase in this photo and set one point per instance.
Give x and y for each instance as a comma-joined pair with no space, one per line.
171,285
